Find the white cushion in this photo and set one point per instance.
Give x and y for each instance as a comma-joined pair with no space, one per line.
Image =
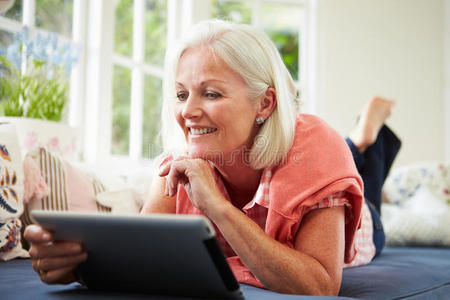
422,220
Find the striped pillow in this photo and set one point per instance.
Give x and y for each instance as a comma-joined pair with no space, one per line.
70,189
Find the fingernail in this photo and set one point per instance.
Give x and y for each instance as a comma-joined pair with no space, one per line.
46,236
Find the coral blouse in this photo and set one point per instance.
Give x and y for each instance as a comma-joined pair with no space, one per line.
319,172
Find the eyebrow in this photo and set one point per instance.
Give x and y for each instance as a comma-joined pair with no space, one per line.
203,82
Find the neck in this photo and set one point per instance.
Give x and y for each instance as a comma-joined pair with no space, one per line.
240,179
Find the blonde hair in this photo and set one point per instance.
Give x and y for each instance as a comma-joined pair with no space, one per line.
253,55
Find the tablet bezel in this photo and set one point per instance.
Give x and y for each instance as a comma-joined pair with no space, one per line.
182,248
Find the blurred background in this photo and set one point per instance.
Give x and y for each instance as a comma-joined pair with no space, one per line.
341,53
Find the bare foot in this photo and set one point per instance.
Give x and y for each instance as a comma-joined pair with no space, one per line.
372,118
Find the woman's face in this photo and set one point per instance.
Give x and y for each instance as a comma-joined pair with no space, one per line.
212,106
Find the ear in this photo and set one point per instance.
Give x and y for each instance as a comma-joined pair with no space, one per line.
267,103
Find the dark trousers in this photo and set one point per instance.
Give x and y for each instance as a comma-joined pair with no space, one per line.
373,165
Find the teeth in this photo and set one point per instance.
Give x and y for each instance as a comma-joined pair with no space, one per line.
202,130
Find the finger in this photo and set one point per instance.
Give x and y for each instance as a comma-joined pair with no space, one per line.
59,276
165,166
55,249
176,173
36,234
164,169
49,264
166,189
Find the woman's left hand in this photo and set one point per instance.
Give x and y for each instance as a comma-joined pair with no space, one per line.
197,178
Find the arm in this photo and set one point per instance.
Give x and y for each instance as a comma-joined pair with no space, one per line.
313,267
157,200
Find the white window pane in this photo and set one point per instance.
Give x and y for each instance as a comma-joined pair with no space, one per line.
121,110
155,31
236,11
123,27
282,23
15,12
151,142
55,16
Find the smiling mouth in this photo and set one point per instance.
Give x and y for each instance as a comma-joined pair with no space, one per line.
201,131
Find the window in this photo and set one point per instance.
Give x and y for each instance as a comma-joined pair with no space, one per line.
116,89
48,22
139,44
43,15
281,20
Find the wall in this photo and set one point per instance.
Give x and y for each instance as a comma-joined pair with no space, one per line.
389,48
447,78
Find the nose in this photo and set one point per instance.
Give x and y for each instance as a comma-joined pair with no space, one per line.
192,107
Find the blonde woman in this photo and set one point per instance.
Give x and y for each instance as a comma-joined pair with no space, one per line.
281,189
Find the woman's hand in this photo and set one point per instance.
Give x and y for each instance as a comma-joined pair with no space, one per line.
55,262
197,178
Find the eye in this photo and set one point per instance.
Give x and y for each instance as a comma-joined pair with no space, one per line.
212,95
182,96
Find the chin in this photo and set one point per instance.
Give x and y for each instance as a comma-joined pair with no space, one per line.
215,156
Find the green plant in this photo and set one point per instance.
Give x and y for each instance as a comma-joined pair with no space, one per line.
34,79
32,95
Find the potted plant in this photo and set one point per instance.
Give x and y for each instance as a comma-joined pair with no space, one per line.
34,85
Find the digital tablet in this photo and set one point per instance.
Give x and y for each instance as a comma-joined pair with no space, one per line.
158,254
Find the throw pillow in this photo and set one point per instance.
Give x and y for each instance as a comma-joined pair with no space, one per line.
11,194
69,188
404,182
121,201
423,220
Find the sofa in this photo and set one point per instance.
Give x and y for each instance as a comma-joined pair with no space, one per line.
416,216
398,273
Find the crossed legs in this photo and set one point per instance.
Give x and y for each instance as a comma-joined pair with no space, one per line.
374,147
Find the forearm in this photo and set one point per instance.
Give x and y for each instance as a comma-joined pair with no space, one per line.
284,269
157,201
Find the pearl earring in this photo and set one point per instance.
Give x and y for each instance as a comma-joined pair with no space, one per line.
259,120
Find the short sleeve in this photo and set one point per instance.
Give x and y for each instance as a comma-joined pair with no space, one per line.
337,199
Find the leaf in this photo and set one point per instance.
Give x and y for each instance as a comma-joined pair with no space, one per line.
7,176
14,194
14,179
6,206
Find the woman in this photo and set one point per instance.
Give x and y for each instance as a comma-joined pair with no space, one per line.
282,190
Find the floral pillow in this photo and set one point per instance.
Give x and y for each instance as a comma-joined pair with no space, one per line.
11,194
417,212
55,136
403,183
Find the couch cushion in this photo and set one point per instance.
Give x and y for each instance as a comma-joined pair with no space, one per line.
11,194
414,273
22,282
